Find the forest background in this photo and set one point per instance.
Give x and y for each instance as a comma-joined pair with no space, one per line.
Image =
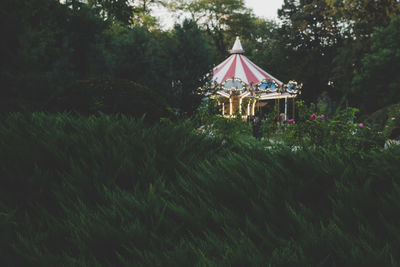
344,52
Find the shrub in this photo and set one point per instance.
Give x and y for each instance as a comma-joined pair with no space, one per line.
340,130
112,191
393,119
112,96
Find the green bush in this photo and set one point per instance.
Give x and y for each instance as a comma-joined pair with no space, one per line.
112,96
340,130
393,119
112,191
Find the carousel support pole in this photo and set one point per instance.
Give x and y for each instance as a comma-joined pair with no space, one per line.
293,108
279,107
223,108
279,110
285,108
253,108
230,106
248,108
240,105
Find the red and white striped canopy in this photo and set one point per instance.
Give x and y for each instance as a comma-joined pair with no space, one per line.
239,66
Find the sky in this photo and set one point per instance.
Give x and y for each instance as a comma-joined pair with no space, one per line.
262,8
265,8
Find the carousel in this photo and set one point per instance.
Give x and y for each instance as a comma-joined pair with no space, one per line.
240,86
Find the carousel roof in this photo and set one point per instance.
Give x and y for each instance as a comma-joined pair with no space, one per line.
239,66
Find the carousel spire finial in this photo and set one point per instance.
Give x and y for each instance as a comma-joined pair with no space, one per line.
237,47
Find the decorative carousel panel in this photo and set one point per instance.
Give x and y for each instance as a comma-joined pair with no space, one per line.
292,87
268,86
233,85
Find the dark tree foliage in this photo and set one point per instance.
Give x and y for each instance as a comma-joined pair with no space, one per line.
10,27
222,20
50,46
309,39
358,19
119,10
323,43
47,45
378,83
136,54
192,58
123,11
112,96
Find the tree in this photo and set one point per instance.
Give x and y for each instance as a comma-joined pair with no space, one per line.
222,20
267,49
192,57
119,10
11,25
127,12
50,45
357,21
325,41
138,55
112,96
309,38
359,17
378,83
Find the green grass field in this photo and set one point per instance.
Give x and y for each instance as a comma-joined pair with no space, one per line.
114,191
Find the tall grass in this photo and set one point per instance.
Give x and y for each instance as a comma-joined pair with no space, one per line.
113,191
